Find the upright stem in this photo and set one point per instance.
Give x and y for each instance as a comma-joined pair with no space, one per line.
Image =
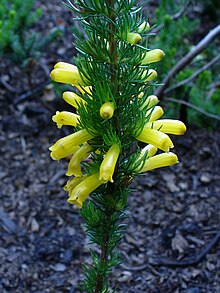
104,255
108,211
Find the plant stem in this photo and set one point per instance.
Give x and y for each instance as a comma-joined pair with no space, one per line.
104,255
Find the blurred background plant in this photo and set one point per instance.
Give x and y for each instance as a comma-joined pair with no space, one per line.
18,39
195,89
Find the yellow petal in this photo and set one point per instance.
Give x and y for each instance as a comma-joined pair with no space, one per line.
145,26
107,110
156,138
149,75
65,118
158,161
65,65
73,99
168,126
150,102
149,149
79,194
67,76
73,182
155,113
82,153
69,144
153,56
133,38
107,167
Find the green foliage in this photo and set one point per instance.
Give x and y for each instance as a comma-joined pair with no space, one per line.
18,41
175,39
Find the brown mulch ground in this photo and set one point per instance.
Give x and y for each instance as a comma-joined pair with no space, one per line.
174,213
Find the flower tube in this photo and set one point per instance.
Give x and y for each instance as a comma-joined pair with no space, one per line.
149,75
150,102
156,138
107,110
153,56
145,26
107,167
133,38
67,76
73,182
65,65
73,99
79,194
82,153
154,114
65,118
168,126
69,144
150,149
158,161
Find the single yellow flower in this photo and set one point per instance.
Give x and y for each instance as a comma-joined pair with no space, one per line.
79,194
69,144
67,76
65,65
149,75
107,167
154,113
133,38
82,153
107,110
152,56
156,138
73,182
73,99
65,118
168,126
149,149
150,102
145,26
158,161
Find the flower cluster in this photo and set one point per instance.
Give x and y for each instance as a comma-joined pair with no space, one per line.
154,133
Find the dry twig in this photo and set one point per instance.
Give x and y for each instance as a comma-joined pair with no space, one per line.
187,59
193,76
188,261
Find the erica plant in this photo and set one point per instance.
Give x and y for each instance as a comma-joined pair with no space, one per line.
114,109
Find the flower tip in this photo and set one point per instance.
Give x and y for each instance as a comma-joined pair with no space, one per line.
107,110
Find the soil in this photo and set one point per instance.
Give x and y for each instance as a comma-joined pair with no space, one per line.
174,213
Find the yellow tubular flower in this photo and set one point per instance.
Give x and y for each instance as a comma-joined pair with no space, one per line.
150,102
149,75
168,126
107,110
133,38
67,76
158,161
72,99
154,114
150,149
65,118
82,153
145,26
152,56
65,65
73,182
79,194
69,144
156,138
107,167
